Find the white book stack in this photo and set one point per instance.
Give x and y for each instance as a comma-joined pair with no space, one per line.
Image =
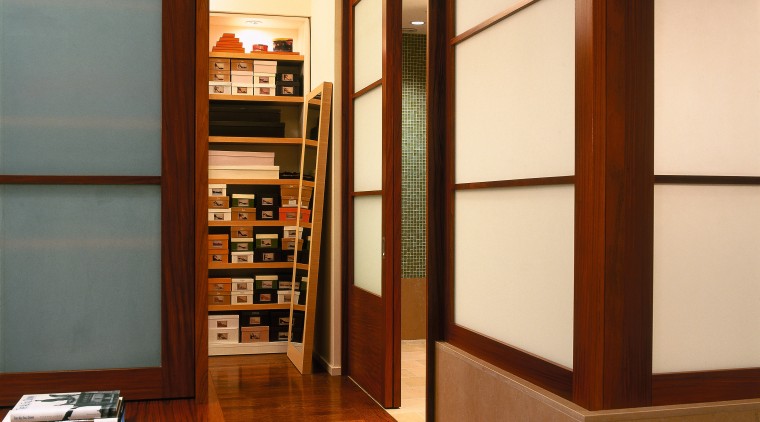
242,165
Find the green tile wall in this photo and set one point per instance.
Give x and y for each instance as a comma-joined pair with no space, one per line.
413,139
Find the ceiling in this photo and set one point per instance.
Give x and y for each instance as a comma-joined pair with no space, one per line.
414,10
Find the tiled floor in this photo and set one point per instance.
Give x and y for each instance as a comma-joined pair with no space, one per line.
412,382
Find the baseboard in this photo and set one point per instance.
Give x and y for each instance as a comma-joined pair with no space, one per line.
332,370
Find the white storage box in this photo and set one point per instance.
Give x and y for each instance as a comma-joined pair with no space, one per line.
221,88
242,285
265,79
223,321
223,214
290,232
241,298
264,66
242,88
242,257
217,189
284,296
264,91
244,172
223,335
241,78
240,158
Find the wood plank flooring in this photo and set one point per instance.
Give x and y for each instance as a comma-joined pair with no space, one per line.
263,388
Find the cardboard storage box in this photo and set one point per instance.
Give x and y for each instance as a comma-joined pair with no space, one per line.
219,75
285,296
266,255
219,285
290,231
241,78
288,256
215,64
220,214
218,241
220,88
285,285
254,334
254,318
241,298
217,189
289,244
242,232
243,214
267,241
267,201
240,158
223,335
264,66
242,89
216,202
290,213
243,200
278,334
219,299
266,213
223,321
288,91
264,91
243,172
243,65
265,296
218,256
242,257
280,318
241,244
264,79
242,284
266,282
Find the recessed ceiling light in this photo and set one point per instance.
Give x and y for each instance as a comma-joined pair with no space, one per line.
254,22
417,22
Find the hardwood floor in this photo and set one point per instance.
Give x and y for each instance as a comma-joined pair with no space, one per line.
263,388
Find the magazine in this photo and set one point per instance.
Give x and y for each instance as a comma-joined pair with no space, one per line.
66,406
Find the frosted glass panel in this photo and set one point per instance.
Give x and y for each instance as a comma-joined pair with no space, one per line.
368,235
368,141
514,267
706,278
80,277
707,80
368,43
515,105
80,87
467,15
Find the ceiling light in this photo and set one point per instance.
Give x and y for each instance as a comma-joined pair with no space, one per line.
254,22
417,22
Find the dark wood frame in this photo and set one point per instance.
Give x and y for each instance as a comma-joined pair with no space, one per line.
388,390
175,378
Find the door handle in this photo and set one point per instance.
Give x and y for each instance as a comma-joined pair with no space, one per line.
383,247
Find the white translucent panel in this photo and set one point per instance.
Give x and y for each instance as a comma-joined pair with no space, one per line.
707,80
368,141
515,105
368,238
80,87
368,43
706,278
513,276
468,15
80,277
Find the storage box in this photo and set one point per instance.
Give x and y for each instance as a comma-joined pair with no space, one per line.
223,335
266,282
288,90
219,299
242,257
215,64
240,158
285,285
220,214
267,241
242,88
289,244
264,66
288,72
264,91
217,189
216,202
254,318
290,231
220,88
278,334
218,256
218,241
219,75
241,232
241,65
219,285
291,214
223,321
243,172
243,214
241,244
285,296
265,296
266,214
247,128
242,285
264,79
288,256
241,298
267,200
280,318
243,200
289,195
254,334
282,44
267,255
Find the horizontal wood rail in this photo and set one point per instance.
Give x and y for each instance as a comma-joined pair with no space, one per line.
79,180
537,181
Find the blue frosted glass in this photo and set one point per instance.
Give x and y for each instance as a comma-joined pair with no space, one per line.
80,87
80,277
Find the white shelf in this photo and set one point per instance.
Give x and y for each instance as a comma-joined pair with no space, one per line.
229,349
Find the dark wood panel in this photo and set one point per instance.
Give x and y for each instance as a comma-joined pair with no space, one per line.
366,355
614,203
518,6
79,180
201,197
368,88
706,180
707,386
366,193
516,183
557,379
346,222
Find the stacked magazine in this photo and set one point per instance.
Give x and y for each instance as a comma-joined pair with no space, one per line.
94,406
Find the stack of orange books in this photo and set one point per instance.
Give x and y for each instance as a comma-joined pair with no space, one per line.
228,43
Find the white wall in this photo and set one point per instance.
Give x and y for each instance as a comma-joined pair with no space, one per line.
263,7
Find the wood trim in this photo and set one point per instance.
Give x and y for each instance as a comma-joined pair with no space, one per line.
705,386
78,180
366,193
201,198
515,183
368,88
705,180
522,4
555,378
614,203
437,48
347,79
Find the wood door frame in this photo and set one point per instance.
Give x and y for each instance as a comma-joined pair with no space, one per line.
175,378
